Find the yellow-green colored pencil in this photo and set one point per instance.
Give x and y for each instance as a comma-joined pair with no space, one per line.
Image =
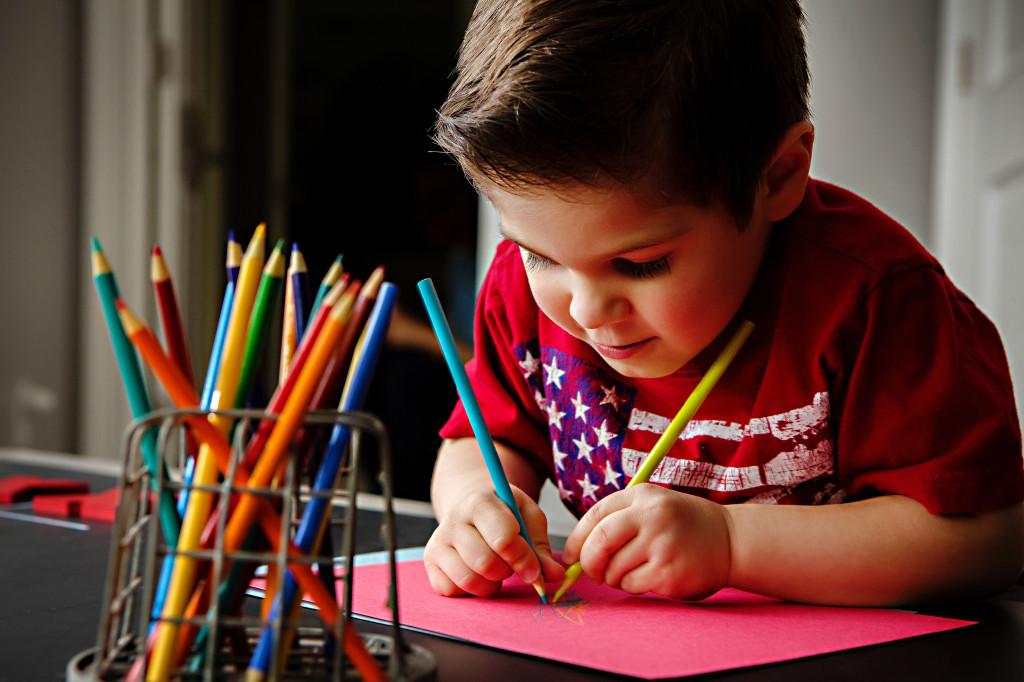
682,418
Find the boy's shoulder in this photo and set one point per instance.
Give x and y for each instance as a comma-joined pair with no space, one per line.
836,223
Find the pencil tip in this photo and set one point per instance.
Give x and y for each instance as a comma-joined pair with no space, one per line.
156,251
96,244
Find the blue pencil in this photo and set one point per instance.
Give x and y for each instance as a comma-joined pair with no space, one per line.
356,387
234,259
300,291
472,407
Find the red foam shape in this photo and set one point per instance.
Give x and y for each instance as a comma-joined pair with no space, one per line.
20,487
96,507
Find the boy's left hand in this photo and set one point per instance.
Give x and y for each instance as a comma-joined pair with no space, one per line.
651,539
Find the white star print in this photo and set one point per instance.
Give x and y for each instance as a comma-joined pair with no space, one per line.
611,476
529,365
554,415
583,447
557,455
581,408
542,402
554,375
588,489
604,436
611,396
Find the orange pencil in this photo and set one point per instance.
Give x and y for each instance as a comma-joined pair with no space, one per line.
170,313
176,385
288,422
184,396
328,391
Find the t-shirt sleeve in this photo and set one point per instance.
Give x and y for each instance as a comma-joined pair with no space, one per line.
511,413
929,412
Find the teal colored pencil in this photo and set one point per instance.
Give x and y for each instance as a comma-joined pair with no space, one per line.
326,284
259,322
472,407
135,387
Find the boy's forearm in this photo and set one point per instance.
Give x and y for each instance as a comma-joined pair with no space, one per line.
460,467
882,551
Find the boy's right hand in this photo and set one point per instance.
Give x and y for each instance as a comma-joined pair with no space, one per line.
477,545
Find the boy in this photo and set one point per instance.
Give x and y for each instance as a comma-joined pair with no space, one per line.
649,163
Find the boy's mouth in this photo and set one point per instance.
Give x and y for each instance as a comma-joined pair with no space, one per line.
620,352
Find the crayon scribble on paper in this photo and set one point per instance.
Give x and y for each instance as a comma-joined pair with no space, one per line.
570,608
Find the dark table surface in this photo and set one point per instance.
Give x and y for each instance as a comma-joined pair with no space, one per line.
53,578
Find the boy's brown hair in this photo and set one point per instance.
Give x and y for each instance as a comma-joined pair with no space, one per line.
685,99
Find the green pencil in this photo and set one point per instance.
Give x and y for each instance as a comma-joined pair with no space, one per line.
135,387
259,321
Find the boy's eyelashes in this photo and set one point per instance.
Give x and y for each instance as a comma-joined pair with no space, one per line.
533,262
638,270
650,268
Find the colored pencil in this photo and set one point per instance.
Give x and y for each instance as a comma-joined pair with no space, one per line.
675,428
170,312
259,322
328,391
331,278
209,384
288,337
200,502
288,422
135,387
299,274
234,259
233,586
476,416
184,397
311,526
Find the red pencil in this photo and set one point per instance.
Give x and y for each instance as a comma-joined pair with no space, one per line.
170,314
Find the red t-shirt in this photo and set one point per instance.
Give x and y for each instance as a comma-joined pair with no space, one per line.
867,373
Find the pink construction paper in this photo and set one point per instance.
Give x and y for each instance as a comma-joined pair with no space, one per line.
648,637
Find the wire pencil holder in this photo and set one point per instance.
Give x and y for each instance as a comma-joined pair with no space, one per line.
223,635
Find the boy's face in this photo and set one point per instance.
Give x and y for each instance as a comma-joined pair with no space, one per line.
647,288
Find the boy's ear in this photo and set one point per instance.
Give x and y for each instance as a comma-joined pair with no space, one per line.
786,177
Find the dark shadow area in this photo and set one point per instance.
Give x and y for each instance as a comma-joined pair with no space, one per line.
364,180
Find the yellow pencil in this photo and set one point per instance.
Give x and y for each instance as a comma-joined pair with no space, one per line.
667,439
200,502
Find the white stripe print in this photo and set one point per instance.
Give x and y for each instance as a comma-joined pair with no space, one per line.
787,426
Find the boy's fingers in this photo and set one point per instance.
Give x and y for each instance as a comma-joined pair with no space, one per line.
595,515
508,544
626,560
606,538
450,576
478,555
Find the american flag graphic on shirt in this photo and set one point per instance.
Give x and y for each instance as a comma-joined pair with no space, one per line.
590,414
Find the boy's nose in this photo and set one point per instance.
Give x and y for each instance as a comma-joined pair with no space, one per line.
595,304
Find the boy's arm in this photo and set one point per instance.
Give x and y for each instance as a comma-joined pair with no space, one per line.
477,543
460,467
886,550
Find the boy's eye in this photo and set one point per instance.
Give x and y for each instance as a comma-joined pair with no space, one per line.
651,268
534,262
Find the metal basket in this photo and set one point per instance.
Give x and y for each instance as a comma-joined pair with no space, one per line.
227,635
